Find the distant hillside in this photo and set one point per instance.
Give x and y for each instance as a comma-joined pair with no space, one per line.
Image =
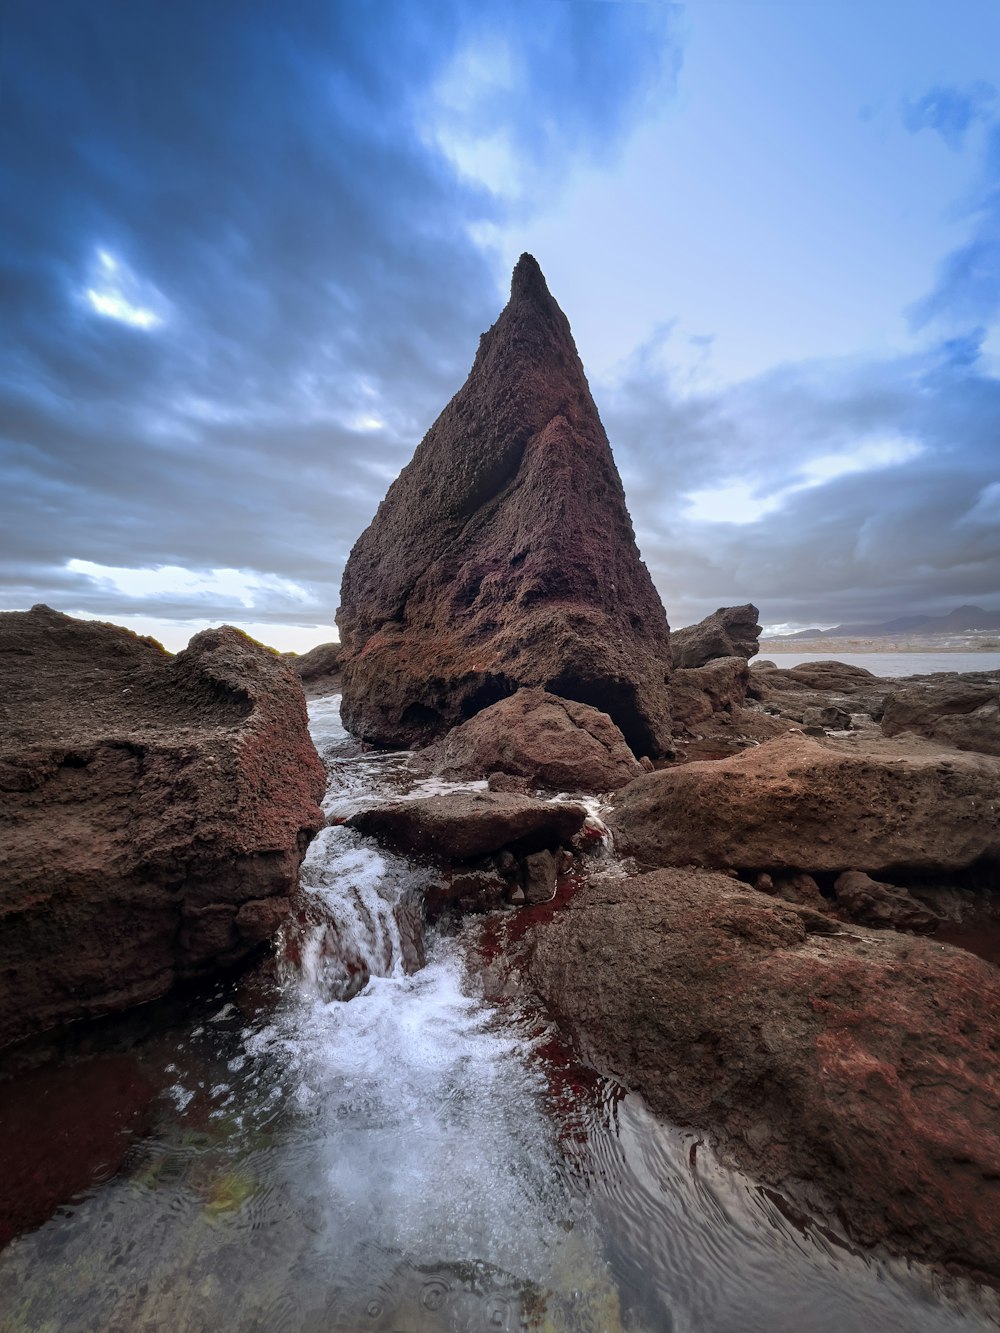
960,621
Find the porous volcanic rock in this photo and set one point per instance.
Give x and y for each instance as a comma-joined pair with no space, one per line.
155,811
960,712
553,742
503,555
698,692
861,898
797,803
318,669
864,1065
732,631
464,825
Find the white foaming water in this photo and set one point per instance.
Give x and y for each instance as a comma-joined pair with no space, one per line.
433,1141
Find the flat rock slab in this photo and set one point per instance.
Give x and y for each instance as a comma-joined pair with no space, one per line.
464,825
866,1065
796,803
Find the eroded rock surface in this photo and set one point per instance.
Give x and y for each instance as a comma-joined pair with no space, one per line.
503,555
155,811
798,803
463,825
732,631
961,712
552,742
866,1065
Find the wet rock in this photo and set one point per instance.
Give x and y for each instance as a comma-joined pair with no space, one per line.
732,631
318,669
795,803
464,825
155,811
871,1062
478,890
547,741
863,899
959,712
540,874
504,555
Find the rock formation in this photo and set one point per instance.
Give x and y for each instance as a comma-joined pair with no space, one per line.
862,1070
552,742
956,710
155,811
795,803
732,631
503,555
464,825
318,669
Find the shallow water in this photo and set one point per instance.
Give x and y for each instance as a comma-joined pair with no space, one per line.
893,664
417,1159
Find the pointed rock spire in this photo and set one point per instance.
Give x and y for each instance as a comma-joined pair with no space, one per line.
503,555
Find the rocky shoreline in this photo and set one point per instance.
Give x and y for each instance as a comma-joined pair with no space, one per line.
759,959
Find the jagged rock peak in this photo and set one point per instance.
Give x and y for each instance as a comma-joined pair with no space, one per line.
503,555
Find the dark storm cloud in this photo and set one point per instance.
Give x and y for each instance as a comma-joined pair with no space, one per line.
922,533
274,187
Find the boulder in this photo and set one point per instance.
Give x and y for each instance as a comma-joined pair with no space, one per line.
959,712
696,693
732,631
503,555
795,803
155,811
318,669
861,1073
861,898
552,742
464,825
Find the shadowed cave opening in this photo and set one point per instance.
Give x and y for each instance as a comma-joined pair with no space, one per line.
617,699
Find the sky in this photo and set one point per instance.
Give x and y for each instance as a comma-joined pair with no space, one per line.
247,251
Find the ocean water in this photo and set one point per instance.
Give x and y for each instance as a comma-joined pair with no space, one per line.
894,664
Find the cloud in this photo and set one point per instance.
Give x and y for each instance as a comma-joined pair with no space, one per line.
967,290
239,271
950,111
820,491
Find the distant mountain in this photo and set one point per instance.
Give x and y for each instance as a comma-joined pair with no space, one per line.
960,621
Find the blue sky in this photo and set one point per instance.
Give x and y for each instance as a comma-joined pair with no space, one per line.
247,252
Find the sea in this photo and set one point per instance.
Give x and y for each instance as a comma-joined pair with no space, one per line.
893,664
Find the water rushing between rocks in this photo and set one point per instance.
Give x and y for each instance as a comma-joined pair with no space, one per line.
378,1146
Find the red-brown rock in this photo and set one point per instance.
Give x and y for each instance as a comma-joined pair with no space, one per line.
961,712
796,803
552,742
696,693
861,1072
318,669
503,555
464,825
155,811
732,631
